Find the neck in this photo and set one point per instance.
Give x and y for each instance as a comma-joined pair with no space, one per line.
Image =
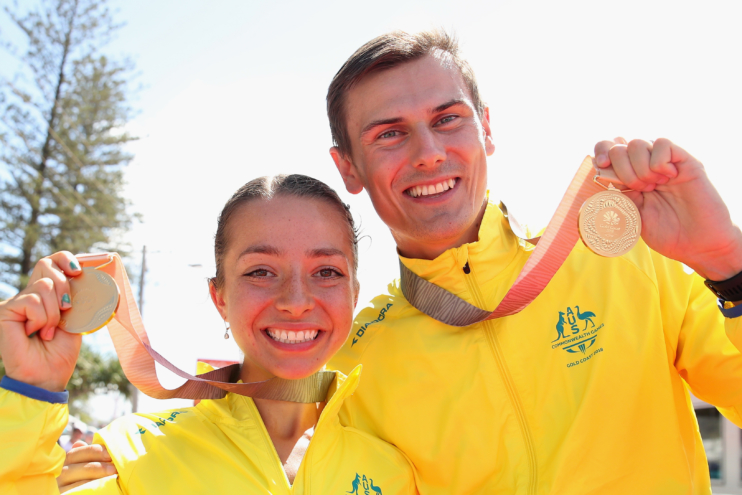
286,422
430,249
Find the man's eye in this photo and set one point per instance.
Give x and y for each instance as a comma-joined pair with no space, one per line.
447,119
389,134
328,273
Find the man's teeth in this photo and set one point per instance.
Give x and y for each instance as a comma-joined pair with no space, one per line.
289,337
418,191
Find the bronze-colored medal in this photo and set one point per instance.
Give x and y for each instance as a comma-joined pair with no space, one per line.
95,298
609,223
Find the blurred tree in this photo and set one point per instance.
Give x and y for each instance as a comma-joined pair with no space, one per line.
95,374
61,138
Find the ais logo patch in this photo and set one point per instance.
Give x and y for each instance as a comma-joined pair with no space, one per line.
577,332
364,486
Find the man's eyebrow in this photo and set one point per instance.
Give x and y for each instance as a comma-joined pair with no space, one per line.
377,123
324,253
397,120
260,249
448,104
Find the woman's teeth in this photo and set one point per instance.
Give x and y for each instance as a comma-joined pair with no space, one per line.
289,337
418,191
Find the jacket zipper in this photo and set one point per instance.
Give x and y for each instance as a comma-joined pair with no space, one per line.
512,393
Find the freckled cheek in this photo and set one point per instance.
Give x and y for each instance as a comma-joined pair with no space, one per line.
340,310
246,312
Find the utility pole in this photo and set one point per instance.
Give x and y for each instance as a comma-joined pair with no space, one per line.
134,391
141,280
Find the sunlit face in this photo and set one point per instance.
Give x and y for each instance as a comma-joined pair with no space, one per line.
419,148
289,289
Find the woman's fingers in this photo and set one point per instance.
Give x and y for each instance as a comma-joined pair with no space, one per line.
59,267
45,290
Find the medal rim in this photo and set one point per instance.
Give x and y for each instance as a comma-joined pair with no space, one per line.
593,249
113,313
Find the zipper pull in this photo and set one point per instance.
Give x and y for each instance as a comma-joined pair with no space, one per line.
467,270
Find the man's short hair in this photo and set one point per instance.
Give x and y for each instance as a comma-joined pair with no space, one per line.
387,51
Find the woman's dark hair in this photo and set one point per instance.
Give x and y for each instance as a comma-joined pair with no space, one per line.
297,185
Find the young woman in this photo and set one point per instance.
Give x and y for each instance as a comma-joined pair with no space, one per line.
286,283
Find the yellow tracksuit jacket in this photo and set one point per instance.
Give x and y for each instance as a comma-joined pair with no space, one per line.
218,446
583,392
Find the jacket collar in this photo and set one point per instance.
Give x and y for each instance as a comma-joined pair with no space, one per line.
235,408
494,251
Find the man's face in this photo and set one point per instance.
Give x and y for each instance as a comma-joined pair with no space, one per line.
419,148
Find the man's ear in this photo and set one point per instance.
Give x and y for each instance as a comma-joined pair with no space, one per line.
347,171
489,144
218,300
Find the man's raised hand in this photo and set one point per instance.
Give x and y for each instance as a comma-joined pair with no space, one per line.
84,463
683,216
33,350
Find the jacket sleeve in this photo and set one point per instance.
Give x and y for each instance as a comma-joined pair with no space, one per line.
705,344
104,486
30,459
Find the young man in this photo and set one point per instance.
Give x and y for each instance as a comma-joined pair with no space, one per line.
585,391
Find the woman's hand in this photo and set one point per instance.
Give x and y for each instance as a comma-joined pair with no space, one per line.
33,349
84,463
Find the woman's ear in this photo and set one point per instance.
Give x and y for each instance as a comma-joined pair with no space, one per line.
217,299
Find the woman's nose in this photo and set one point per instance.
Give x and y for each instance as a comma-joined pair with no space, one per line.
295,296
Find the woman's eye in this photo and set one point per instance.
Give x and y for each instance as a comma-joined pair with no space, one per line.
260,272
328,273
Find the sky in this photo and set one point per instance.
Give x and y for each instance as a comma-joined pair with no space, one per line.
233,90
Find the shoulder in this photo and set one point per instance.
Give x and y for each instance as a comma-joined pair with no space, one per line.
143,423
641,266
380,316
129,438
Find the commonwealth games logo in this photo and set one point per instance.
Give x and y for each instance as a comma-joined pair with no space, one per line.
577,332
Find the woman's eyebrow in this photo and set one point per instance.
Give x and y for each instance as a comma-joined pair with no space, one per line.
260,249
324,253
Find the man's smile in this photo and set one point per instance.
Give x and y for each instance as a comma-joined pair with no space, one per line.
431,189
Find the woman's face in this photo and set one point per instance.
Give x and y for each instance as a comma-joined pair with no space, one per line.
289,289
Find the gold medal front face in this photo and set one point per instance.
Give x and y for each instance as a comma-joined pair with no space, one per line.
95,298
609,223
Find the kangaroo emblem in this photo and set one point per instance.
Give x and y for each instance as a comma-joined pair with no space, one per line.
587,316
356,484
560,327
375,488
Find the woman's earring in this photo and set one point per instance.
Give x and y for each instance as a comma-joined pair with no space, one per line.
226,329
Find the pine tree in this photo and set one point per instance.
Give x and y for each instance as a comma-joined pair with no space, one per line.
61,138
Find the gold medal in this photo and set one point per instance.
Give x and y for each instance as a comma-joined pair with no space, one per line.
609,223
95,298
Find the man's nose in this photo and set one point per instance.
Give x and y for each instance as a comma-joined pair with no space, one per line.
295,296
427,149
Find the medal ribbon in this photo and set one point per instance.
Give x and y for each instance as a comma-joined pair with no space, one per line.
138,358
552,249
